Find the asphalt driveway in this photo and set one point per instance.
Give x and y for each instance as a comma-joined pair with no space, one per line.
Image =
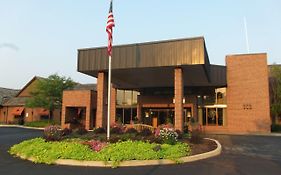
241,155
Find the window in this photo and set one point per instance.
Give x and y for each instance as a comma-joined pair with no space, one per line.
213,116
127,97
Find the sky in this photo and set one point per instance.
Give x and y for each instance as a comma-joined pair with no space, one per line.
41,37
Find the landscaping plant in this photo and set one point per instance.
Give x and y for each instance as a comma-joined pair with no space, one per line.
52,133
48,152
167,134
95,145
145,132
100,130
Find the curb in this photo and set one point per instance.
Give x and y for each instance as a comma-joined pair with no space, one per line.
247,134
133,163
19,126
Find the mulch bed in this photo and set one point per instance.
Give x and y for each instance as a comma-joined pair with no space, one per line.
204,146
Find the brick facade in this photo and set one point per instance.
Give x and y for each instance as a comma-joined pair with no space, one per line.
248,109
78,99
18,102
247,93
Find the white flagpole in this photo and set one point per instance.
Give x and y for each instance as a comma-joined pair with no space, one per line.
246,34
108,97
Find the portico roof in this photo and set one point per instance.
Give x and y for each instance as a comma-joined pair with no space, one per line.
152,64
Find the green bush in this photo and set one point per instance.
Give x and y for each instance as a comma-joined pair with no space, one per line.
196,136
116,130
66,131
41,123
145,132
81,130
48,152
168,136
99,130
131,131
275,128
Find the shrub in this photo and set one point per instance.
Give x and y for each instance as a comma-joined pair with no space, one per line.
153,139
196,136
168,136
20,120
81,131
114,139
99,130
275,128
95,145
66,131
180,134
52,133
116,130
145,132
100,137
157,130
131,131
185,129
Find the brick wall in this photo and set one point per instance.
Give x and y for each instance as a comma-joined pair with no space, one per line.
247,93
78,98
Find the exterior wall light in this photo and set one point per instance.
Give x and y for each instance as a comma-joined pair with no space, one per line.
146,114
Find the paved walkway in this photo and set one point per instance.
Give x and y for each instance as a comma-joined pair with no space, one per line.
241,155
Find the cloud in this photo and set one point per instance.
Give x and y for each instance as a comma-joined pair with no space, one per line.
9,46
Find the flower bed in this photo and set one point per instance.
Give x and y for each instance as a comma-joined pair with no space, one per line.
125,143
47,152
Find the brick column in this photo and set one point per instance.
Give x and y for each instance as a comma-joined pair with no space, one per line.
138,108
101,99
113,105
62,116
88,123
178,85
63,111
88,115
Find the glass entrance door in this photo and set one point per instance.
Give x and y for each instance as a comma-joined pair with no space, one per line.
156,117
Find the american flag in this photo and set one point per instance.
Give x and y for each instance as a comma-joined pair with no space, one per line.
109,29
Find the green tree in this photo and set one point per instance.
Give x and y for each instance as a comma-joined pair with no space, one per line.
48,93
275,91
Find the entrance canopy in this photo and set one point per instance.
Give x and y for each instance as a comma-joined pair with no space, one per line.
152,64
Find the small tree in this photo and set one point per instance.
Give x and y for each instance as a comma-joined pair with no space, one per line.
48,93
275,91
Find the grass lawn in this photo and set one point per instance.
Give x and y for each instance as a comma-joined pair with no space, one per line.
48,152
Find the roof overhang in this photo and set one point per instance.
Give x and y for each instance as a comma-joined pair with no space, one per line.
152,64
193,75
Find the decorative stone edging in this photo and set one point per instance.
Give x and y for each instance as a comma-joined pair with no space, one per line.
193,158
21,126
